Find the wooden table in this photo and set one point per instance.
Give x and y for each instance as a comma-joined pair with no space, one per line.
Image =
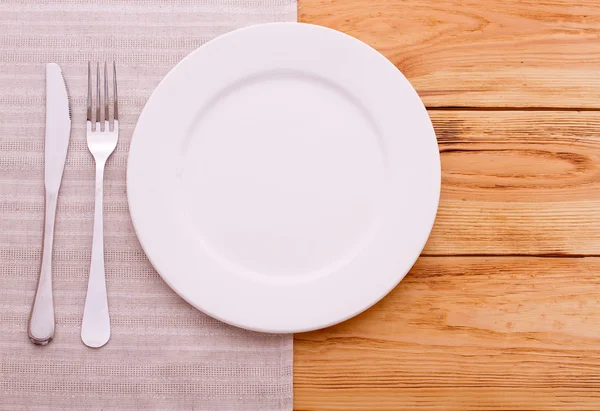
502,311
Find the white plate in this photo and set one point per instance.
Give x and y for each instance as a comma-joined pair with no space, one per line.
283,177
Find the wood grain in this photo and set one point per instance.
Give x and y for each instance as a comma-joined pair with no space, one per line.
493,53
501,312
464,333
518,182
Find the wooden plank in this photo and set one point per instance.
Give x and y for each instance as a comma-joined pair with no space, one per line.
493,53
518,183
464,333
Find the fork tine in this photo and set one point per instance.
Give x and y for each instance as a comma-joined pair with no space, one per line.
106,114
89,94
116,108
98,106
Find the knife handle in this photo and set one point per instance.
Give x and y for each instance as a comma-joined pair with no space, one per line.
41,319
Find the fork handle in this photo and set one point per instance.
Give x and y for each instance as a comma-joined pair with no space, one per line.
41,318
95,327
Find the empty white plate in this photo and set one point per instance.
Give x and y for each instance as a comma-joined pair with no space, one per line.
283,177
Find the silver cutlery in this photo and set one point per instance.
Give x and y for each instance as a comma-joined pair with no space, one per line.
102,141
58,131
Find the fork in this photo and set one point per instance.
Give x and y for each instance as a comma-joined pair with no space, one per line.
102,141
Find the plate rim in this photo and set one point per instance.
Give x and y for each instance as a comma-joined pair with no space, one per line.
195,304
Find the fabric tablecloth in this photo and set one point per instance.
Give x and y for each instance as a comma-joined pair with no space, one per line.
163,353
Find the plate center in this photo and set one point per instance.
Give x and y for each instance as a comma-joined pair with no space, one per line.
282,174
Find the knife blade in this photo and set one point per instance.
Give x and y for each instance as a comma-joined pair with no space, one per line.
58,132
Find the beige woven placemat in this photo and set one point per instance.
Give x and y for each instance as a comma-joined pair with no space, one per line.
163,354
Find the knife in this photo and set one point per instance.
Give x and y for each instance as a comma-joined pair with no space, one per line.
58,132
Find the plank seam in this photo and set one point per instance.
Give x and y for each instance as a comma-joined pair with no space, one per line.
468,108
541,255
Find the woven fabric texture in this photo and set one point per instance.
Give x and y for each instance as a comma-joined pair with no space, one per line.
163,354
